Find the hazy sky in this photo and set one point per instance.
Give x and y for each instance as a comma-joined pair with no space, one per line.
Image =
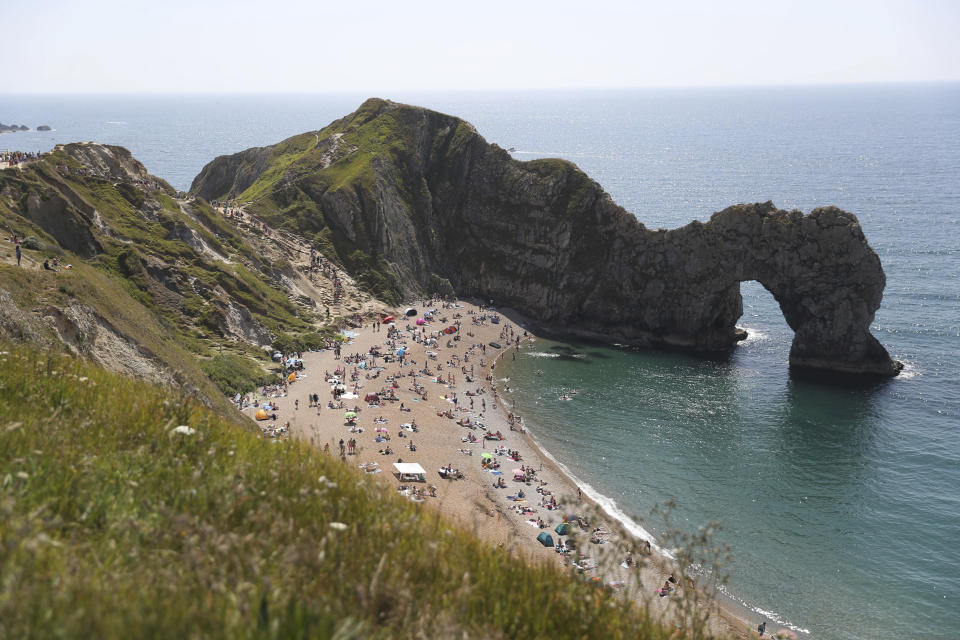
242,46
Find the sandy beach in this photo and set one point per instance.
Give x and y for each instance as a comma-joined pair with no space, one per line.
446,381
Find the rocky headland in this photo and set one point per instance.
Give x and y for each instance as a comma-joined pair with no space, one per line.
414,200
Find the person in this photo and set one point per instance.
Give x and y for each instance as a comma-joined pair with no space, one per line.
19,254
762,628
46,265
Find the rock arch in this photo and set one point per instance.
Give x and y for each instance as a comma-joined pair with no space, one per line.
542,237
820,270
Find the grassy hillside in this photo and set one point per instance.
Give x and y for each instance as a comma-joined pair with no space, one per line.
113,525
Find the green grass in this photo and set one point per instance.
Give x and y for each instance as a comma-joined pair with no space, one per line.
112,526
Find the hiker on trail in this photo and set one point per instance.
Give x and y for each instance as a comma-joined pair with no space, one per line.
19,254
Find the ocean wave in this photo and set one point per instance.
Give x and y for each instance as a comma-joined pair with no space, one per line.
754,335
773,616
115,122
608,505
909,371
541,354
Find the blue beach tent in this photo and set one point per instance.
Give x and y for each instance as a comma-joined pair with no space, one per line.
545,539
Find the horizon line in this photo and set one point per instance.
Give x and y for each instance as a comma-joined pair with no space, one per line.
374,92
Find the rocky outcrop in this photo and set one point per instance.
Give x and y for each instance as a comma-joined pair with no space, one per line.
112,162
67,224
425,192
44,127
231,174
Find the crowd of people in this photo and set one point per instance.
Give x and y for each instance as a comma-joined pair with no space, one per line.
16,158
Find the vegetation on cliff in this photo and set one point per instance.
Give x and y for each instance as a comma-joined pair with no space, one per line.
128,512
157,284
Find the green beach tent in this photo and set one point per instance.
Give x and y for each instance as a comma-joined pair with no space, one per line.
545,539
563,528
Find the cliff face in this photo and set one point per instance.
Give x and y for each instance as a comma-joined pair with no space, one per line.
425,193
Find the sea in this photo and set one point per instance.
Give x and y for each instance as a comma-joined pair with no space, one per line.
840,502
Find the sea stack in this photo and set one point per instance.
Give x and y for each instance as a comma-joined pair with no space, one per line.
416,201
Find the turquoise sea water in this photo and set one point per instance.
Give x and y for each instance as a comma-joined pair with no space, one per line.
841,503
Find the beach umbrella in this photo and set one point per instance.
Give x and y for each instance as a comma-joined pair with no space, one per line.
421,322
262,415
292,377
562,529
545,539
401,351
410,311
349,415
486,455
388,319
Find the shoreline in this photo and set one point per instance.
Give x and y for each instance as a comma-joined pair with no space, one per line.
735,614
474,501
732,615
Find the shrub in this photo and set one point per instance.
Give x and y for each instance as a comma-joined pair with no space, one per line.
235,374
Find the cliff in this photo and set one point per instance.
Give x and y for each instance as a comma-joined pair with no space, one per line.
411,200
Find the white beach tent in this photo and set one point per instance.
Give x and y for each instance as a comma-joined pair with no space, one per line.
410,472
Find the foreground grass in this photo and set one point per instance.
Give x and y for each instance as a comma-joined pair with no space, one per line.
114,525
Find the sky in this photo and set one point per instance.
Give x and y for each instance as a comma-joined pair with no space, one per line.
268,46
